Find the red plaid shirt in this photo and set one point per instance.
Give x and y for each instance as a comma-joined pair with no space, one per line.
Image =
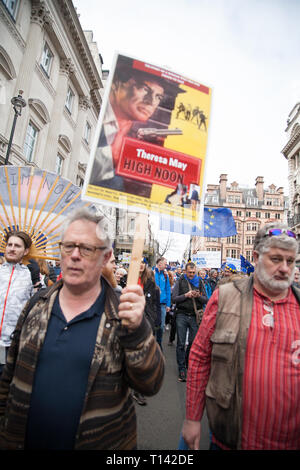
271,384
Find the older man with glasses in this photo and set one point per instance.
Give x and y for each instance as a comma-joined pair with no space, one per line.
77,353
245,360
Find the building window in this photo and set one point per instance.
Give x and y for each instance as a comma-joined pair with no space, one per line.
277,216
248,214
252,201
46,59
234,239
87,133
258,215
69,100
232,253
267,215
239,213
12,6
249,256
269,202
59,164
30,142
211,199
252,227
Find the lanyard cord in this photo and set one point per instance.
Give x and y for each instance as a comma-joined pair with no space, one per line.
12,271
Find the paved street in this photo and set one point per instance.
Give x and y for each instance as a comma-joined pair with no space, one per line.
160,421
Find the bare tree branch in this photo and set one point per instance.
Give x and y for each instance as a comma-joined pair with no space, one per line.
164,248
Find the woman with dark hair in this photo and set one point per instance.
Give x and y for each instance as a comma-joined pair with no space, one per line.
152,295
152,308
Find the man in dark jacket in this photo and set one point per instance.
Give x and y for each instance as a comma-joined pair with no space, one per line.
189,295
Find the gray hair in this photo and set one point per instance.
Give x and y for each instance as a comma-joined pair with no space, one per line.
86,213
263,242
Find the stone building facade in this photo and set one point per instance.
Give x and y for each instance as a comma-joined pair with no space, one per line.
45,53
57,66
251,209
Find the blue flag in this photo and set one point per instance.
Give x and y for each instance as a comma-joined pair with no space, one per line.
217,223
246,266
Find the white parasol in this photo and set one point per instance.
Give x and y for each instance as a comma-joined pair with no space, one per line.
36,201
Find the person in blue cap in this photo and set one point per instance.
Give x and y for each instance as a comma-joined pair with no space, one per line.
229,269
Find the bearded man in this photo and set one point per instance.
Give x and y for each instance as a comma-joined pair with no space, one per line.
15,288
245,360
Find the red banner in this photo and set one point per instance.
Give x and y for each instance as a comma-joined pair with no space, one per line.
157,165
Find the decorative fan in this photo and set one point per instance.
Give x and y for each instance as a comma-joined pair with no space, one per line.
36,202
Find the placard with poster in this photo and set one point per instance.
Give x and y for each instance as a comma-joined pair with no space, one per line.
150,143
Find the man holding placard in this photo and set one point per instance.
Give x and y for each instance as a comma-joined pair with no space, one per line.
77,353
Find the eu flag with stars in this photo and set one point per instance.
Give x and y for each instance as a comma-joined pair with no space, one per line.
217,223
246,266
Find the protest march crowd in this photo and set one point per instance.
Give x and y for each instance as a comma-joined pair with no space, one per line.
80,349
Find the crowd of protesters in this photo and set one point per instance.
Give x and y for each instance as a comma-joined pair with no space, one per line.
176,298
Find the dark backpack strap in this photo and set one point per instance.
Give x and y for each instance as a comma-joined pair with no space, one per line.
36,297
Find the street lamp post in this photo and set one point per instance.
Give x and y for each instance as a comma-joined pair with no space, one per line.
18,103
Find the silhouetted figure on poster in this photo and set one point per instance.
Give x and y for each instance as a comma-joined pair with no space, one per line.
202,120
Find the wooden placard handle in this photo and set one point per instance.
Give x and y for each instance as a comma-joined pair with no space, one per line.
137,252
137,249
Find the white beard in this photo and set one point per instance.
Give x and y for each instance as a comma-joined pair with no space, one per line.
268,282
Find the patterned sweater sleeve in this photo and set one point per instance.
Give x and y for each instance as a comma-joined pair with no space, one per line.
144,362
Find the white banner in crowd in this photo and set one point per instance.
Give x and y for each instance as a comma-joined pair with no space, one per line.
207,259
